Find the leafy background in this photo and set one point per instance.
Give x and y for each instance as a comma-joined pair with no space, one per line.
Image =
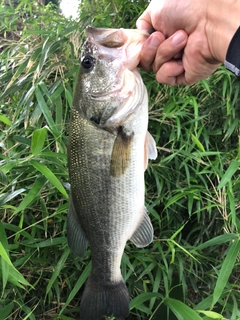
191,271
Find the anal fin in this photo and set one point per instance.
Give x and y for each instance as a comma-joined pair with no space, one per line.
143,235
77,239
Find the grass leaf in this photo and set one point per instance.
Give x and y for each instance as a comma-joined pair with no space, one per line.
50,176
14,276
38,139
80,282
45,110
58,269
211,314
32,194
234,166
226,270
218,240
5,311
181,310
141,298
5,120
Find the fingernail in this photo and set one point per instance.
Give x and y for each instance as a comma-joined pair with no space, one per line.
178,38
155,42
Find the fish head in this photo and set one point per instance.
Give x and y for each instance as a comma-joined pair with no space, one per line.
108,74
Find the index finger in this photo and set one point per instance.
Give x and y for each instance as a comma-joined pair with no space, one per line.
149,50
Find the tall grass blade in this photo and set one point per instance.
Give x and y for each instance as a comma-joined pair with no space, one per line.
143,297
80,282
6,311
226,270
58,269
218,240
14,276
5,120
50,176
11,196
45,110
38,139
4,262
234,166
3,178
32,194
181,310
211,315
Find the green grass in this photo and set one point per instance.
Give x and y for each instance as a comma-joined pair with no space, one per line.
191,270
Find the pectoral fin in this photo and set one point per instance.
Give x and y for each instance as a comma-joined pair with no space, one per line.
77,239
121,153
143,236
150,149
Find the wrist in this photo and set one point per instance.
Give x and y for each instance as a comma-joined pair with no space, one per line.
222,22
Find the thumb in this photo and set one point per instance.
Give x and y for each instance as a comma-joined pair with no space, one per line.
144,21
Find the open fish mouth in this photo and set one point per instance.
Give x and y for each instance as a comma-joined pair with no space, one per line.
118,44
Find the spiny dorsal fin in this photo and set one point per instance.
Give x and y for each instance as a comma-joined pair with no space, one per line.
121,153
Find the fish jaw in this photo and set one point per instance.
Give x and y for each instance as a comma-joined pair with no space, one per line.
126,42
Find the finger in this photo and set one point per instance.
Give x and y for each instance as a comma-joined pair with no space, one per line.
144,21
170,48
170,72
144,24
178,55
149,50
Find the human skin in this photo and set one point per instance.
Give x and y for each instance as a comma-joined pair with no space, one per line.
191,38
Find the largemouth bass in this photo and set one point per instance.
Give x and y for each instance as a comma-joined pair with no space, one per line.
109,147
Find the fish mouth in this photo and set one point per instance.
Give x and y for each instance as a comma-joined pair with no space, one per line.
107,37
124,44
114,38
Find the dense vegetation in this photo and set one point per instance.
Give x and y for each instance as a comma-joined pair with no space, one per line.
191,271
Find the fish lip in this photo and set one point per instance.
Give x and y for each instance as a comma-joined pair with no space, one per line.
111,44
97,35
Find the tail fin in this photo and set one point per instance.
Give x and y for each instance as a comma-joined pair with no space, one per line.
101,300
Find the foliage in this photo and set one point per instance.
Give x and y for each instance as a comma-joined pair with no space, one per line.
191,271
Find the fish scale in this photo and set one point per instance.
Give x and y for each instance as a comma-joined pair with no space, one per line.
107,155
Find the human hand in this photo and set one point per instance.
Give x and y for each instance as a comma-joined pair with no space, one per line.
164,56
189,22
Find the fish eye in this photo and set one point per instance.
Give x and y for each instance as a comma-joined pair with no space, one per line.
87,63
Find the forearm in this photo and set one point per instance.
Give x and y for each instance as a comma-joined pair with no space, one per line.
222,22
